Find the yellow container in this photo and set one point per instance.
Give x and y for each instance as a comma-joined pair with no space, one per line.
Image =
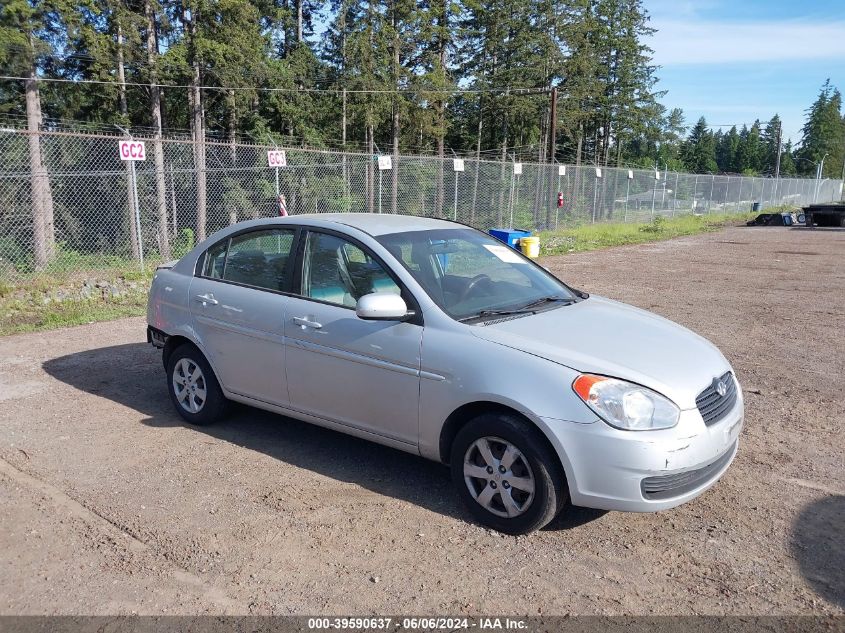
530,246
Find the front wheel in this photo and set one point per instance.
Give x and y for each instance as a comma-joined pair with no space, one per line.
193,388
506,475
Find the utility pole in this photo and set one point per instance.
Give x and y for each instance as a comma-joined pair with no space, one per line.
553,126
552,147
843,176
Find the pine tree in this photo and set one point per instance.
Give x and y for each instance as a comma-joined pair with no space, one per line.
35,34
699,151
727,150
749,155
580,85
787,163
435,26
823,135
770,139
625,72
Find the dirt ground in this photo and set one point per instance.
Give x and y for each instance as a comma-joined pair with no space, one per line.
110,504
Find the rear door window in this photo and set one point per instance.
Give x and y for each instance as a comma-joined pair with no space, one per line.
261,259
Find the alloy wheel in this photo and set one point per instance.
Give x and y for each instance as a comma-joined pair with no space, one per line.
189,385
499,477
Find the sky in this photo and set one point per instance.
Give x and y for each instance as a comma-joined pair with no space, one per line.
736,61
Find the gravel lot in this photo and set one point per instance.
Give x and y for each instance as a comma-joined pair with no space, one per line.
110,504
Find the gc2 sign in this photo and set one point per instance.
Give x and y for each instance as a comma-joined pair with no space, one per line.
277,158
132,150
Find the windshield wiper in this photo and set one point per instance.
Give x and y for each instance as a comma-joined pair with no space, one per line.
530,308
485,313
543,300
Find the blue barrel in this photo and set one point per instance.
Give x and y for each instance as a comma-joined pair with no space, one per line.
510,237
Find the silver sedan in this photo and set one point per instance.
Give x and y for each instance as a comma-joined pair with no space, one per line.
436,339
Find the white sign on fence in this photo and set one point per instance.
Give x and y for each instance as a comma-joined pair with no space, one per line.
458,164
277,158
517,169
657,175
598,172
561,170
630,174
384,163
132,150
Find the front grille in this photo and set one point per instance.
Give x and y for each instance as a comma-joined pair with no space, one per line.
668,486
714,407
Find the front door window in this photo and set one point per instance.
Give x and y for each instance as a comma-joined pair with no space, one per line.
337,271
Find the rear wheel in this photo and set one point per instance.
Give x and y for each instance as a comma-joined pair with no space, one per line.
506,474
194,389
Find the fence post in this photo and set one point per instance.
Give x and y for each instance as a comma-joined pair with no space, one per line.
627,195
654,191
560,191
455,211
694,192
134,179
710,198
173,202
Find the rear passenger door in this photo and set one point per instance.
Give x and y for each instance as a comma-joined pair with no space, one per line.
238,307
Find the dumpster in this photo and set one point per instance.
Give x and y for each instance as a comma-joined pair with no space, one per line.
510,237
755,206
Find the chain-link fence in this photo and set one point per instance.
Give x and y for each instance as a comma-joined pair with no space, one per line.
68,202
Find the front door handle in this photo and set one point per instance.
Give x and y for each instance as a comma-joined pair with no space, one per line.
207,298
304,322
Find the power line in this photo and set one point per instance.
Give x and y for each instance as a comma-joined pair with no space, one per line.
335,91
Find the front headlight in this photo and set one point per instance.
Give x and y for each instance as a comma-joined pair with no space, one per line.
625,405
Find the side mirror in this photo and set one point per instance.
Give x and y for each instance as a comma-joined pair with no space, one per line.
381,306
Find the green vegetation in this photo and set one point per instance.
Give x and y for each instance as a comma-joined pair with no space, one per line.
591,237
85,295
32,317
401,64
754,151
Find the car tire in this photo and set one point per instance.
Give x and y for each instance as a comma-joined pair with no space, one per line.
193,387
490,490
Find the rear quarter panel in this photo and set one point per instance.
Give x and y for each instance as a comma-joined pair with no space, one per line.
168,306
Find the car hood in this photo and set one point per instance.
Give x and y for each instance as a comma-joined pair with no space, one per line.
606,337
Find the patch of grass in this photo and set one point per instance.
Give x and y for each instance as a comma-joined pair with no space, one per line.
62,300
590,237
29,316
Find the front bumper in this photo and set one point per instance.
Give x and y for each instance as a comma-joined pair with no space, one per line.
645,471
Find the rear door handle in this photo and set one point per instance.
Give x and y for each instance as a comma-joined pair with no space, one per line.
207,298
304,322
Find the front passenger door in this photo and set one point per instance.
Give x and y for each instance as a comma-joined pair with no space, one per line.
363,374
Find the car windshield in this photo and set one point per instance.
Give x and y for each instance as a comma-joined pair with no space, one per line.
469,274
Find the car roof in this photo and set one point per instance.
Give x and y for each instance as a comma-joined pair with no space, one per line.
374,223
